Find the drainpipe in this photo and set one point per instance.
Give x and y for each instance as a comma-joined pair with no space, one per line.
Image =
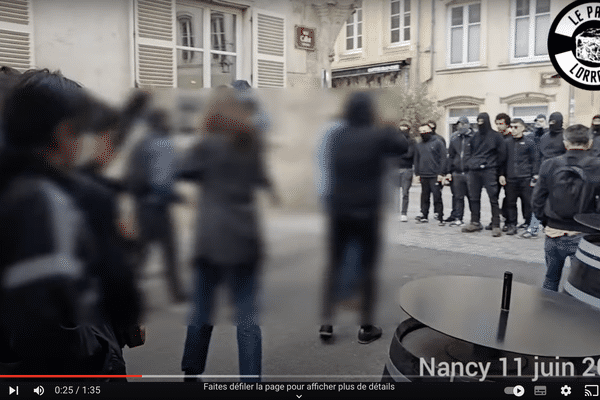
432,36
571,105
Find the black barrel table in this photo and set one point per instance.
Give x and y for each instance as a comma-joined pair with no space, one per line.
465,328
583,282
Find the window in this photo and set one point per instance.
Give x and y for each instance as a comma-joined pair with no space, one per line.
354,30
206,47
465,26
455,113
531,23
400,21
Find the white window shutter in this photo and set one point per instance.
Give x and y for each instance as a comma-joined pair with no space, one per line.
268,45
155,43
16,34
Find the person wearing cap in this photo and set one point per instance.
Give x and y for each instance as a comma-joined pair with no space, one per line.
459,152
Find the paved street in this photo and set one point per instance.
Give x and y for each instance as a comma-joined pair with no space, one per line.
292,289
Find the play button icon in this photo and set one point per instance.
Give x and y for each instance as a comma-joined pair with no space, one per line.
518,390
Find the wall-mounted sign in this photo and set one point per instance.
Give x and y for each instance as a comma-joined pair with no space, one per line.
305,38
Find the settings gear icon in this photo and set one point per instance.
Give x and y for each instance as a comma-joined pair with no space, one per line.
565,390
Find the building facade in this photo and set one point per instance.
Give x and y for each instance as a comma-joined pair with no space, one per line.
475,56
111,46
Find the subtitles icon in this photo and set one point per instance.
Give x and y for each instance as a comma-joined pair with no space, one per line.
591,390
539,390
516,390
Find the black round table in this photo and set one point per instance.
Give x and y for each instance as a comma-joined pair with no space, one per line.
539,322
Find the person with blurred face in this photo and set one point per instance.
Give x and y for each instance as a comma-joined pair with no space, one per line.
57,234
521,166
359,155
430,165
487,162
228,162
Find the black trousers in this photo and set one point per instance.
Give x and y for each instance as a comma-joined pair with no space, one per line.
518,189
343,229
488,179
460,190
431,186
156,226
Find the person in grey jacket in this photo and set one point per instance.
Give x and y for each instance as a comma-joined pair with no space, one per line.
228,164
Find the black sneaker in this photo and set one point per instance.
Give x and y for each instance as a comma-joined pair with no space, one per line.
422,220
512,230
488,227
523,226
505,228
326,332
369,333
450,219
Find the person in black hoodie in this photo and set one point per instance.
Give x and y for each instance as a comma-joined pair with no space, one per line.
556,211
430,165
551,143
359,153
595,130
459,152
487,162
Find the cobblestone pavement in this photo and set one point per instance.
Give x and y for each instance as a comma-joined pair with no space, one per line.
428,235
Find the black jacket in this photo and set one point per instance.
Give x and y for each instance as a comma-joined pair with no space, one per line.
488,148
459,152
55,215
541,192
358,165
522,158
430,158
406,160
551,143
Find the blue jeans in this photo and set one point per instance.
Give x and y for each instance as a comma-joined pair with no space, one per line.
243,284
557,250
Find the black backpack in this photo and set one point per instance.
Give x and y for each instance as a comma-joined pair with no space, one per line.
572,192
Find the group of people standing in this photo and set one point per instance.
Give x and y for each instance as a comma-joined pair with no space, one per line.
507,159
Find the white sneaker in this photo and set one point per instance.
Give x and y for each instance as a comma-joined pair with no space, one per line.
403,218
457,223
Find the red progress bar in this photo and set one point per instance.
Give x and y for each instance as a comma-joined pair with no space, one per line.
70,376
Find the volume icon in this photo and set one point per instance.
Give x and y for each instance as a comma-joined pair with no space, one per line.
39,390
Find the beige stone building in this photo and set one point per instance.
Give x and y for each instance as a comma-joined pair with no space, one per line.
475,56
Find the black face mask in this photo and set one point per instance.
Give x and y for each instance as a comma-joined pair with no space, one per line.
426,136
596,129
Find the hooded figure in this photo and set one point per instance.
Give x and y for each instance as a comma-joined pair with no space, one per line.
556,123
551,143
